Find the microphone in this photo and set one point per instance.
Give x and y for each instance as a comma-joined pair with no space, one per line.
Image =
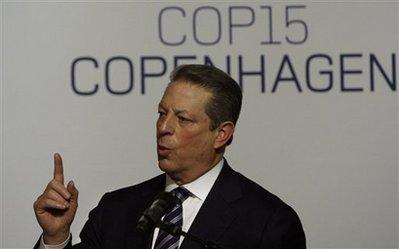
151,218
175,230
163,204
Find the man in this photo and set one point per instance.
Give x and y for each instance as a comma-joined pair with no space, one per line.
197,116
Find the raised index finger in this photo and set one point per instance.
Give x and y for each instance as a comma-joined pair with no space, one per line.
58,170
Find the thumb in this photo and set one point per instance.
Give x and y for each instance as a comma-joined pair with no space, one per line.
73,191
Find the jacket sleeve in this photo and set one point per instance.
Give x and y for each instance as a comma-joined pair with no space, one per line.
91,234
283,231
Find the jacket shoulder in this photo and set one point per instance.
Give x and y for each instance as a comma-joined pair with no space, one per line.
259,200
253,191
279,223
153,185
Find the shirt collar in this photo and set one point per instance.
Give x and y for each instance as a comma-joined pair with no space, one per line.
201,186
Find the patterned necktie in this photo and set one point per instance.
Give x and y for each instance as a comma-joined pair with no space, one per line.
164,239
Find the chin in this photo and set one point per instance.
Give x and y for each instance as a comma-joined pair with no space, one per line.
166,165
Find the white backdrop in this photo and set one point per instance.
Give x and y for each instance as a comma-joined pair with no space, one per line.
331,154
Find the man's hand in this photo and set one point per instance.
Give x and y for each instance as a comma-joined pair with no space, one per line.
56,207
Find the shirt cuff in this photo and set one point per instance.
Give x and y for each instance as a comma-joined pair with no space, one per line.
59,246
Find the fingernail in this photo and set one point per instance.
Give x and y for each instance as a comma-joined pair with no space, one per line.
66,204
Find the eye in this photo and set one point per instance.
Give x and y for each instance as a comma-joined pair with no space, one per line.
161,113
183,119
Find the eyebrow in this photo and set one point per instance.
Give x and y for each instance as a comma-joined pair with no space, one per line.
181,112
177,111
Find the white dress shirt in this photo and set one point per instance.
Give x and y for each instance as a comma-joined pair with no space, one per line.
199,191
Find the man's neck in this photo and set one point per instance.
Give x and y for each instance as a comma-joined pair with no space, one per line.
189,176
201,186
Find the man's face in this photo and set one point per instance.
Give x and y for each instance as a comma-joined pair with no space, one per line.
185,143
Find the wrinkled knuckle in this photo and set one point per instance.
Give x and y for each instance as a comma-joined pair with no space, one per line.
37,201
46,193
46,202
52,183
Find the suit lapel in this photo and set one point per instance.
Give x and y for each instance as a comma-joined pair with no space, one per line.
217,211
135,240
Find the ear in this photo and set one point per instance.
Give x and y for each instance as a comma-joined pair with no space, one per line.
224,133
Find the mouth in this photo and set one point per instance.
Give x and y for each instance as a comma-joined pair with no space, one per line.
162,150
161,147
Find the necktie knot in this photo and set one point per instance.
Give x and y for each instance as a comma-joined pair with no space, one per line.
165,240
181,193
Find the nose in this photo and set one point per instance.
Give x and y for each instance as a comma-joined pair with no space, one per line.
165,125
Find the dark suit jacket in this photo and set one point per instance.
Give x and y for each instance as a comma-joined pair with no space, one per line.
237,214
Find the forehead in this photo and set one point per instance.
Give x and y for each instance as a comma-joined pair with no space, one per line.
184,95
